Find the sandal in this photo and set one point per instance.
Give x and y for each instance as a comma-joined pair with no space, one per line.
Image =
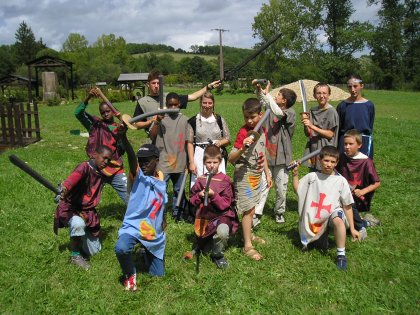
252,253
257,239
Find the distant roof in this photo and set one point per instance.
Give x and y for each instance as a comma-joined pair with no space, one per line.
49,61
131,77
100,83
14,79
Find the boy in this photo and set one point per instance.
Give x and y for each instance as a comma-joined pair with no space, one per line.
217,220
144,220
320,125
281,126
322,198
249,159
168,133
104,132
360,172
356,112
80,194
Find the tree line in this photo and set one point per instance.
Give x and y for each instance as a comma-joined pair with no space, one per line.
319,41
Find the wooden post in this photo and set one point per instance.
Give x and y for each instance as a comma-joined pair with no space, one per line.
17,125
3,122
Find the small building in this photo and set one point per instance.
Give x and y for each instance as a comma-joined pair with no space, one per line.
133,81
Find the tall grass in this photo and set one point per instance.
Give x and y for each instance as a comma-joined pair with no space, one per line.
382,277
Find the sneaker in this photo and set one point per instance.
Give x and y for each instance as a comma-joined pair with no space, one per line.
371,220
363,233
130,283
255,221
221,263
341,262
280,219
78,260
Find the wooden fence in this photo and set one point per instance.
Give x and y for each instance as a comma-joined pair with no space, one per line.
19,124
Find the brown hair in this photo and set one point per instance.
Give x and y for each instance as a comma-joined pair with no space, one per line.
322,84
329,150
212,152
252,106
355,134
289,95
207,94
153,75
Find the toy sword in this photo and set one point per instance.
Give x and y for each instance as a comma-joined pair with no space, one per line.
181,190
31,172
207,188
303,159
254,134
303,94
161,101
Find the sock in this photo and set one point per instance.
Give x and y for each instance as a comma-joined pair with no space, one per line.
341,251
73,253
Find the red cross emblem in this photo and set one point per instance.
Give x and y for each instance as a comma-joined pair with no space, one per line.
157,204
320,206
180,143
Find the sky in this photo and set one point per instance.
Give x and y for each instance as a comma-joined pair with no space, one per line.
178,23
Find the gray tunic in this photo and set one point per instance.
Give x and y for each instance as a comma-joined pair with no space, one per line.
325,119
170,141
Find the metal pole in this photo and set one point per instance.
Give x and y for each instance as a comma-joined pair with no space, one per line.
221,61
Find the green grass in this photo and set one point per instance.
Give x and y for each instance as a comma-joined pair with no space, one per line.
382,277
178,56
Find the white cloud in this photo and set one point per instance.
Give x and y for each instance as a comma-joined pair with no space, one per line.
178,23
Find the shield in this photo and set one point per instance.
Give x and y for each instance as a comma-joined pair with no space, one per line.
337,94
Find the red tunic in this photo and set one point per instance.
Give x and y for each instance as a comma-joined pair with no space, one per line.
101,134
84,186
220,208
359,173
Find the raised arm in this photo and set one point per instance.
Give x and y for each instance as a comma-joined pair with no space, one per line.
197,94
80,112
131,155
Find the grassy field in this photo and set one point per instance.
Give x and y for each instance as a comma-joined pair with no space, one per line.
178,56
382,277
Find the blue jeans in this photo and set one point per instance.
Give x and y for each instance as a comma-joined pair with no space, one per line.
123,250
176,179
119,183
91,245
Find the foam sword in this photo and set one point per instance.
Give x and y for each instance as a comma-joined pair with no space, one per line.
303,159
35,175
128,120
254,134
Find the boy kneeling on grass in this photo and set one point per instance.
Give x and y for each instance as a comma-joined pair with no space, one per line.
217,219
360,172
325,202
144,221
80,194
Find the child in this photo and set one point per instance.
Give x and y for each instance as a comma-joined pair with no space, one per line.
322,198
356,112
281,126
169,134
103,132
80,194
217,220
249,159
144,219
360,172
320,124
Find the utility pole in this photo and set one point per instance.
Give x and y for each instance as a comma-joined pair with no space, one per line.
221,63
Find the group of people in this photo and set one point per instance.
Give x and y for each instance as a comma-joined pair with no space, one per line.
337,188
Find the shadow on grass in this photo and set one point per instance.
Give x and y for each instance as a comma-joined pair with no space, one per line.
113,210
